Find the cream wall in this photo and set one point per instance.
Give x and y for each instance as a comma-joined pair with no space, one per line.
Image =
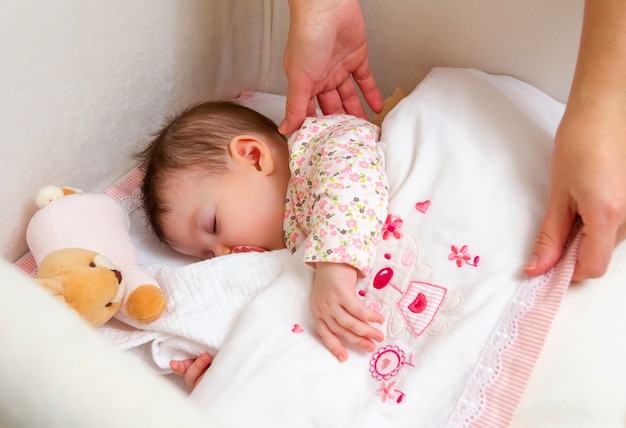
533,40
84,83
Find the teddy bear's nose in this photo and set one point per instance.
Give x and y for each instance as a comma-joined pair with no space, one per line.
118,275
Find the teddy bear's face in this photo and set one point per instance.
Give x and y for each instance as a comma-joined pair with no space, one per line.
85,280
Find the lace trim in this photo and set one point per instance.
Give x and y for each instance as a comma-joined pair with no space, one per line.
473,398
131,202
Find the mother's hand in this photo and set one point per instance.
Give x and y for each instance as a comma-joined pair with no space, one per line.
325,57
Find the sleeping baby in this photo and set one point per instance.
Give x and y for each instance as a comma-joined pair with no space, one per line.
221,179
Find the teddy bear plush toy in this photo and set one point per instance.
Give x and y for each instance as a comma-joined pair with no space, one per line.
69,218
85,280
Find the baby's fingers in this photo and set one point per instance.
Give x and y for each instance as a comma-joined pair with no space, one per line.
358,332
331,341
192,370
180,367
359,310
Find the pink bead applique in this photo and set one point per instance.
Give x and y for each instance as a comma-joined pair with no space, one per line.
297,329
382,278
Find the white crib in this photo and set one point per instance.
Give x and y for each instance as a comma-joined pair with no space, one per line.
84,84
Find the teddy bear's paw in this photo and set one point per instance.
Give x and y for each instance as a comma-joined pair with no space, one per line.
145,304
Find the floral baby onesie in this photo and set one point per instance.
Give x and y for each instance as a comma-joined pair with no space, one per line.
336,201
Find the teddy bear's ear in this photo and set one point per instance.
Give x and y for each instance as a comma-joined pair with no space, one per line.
53,285
50,193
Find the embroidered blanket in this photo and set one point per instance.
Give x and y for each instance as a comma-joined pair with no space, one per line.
468,158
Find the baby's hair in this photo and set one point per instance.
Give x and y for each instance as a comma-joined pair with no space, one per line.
195,139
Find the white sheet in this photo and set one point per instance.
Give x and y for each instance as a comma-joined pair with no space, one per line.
476,147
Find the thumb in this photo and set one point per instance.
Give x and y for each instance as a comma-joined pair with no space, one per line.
553,234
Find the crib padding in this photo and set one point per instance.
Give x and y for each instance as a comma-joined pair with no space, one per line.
57,373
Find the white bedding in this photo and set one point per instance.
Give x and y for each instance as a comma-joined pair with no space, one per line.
467,156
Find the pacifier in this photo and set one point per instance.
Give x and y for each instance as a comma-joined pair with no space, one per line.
247,249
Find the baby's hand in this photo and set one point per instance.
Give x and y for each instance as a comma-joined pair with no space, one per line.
339,313
192,370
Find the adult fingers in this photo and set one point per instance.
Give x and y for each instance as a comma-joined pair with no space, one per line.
330,102
364,79
350,100
594,254
553,234
601,232
299,103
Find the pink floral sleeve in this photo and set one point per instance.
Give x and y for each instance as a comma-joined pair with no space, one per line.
337,196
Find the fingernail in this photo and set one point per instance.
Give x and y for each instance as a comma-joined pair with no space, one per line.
532,262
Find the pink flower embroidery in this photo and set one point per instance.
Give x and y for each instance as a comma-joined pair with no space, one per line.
392,227
461,256
386,391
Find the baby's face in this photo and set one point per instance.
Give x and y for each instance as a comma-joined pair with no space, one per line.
211,215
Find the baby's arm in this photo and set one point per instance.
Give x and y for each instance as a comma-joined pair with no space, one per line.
339,179
339,313
192,370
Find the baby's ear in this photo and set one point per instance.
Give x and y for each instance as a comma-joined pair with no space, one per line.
247,150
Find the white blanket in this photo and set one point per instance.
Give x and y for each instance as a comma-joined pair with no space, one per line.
467,156
203,301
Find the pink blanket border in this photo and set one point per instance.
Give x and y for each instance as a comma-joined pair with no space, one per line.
498,399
